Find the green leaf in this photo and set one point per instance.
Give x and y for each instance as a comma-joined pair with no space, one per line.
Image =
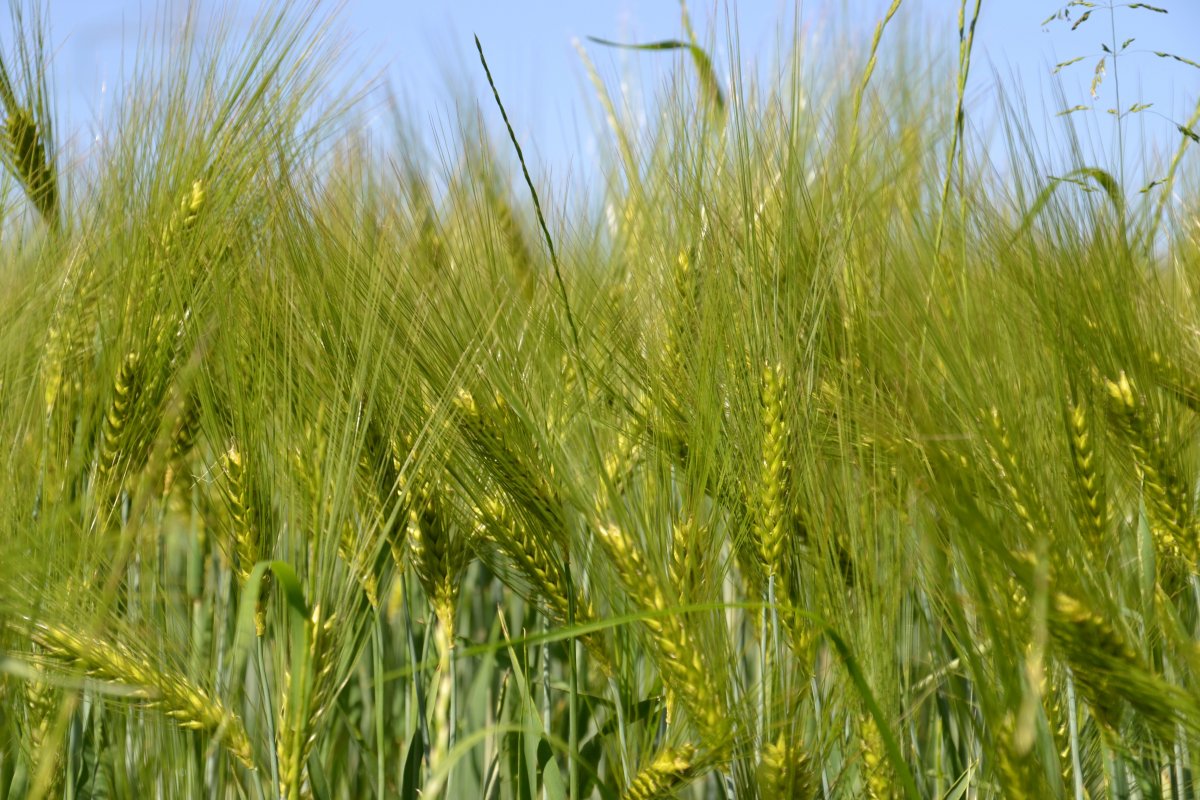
1148,7
1151,185
1071,110
552,781
1138,107
410,786
1189,133
1126,43
1104,47
317,780
1081,20
1062,64
244,633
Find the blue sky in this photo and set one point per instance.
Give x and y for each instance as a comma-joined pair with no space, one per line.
425,50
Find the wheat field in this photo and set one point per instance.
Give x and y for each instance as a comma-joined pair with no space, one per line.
821,456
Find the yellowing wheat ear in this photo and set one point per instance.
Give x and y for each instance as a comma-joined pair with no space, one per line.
663,776
786,771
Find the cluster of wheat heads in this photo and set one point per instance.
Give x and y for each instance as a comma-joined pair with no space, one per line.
324,480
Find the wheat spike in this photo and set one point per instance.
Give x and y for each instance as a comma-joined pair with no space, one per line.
183,218
681,322
1054,703
877,775
497,527
26,145
669,770
303,702
517,470
772,489
1021,497
1094,516
1109,672
1166,495
679,655
1014,768
245,534
189,705
785,771
619,468
438,554
116,424
686,574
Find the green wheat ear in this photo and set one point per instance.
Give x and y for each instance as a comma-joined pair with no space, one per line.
188,704
786,771
27,136
26,146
